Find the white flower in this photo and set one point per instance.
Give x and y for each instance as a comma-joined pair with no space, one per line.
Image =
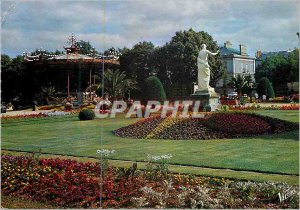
105,152
56,113
168,156
158,157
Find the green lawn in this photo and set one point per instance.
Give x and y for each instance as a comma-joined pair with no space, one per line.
69,136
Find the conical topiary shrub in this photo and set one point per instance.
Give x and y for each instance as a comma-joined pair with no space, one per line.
265,88
154,90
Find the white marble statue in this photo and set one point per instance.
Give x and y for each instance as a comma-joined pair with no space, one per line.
204,71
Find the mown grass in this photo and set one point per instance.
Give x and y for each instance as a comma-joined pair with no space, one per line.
69,136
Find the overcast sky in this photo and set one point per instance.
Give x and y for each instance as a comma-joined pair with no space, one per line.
268,25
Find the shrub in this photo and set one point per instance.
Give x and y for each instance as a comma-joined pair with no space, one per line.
265,88
86,114
224,108
154,90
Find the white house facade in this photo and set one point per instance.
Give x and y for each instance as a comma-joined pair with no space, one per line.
237,62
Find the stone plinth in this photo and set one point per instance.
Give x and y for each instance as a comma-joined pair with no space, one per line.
209,102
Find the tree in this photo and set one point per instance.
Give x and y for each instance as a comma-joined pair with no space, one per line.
226,83
154,90
137,62
270,91
48,92
268,67
280,69
248,86
12,73
5,63
293,62
112,51
85,47
174,63
238,83
116,84
178,59
265,88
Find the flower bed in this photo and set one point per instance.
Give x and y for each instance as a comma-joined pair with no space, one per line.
40,115
229,102
49,107
237,124
289,107
186,129
258,107
166,123
213,126
139,129
71,184
25,116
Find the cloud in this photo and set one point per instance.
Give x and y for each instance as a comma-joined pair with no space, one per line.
267,25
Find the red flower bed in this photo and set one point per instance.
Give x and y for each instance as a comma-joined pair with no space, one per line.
237,124
258,107
290,107
72,184
66,183
19,116
243,108
214,126
229,102
279,126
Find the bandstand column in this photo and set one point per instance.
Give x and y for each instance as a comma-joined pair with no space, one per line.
79,90
91,84
68,87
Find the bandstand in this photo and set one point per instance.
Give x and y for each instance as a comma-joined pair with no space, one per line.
76,71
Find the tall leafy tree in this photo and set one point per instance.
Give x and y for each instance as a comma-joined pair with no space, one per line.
226,82
238,83
180,64
248,86
12,73
280,69
162,67
293,62
112,51
84,46
137,62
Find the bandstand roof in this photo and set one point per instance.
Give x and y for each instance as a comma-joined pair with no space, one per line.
71,56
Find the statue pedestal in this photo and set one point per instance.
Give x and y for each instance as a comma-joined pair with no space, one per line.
209,102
